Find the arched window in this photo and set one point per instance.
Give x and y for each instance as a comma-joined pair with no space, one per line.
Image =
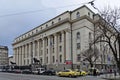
78,35
77,14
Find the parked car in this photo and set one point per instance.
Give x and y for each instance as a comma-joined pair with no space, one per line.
41,70
68,72
81,72
27,71
90,72
38,71
17,71
49,72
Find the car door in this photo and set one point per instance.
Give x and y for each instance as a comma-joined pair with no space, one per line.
67,72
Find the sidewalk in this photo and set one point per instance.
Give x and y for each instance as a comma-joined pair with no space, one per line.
110,76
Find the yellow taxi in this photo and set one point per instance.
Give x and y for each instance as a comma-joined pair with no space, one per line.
81,72
68,73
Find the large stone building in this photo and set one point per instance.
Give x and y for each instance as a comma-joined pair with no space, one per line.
58,41
3,55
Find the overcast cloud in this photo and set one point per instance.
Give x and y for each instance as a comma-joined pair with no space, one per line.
20,16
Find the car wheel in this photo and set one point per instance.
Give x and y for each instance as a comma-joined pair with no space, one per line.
70,75
59,75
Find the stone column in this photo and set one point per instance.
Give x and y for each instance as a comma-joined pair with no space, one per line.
17,56
33,49
20,55
49,50
63,46
27,54
56,48
38,49
68,45
14,55
44,54
23,55
30,52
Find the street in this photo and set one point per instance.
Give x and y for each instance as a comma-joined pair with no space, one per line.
13,76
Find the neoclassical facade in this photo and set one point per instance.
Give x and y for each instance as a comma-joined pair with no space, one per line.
58,40
3,55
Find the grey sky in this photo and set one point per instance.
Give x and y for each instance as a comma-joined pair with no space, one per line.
20,16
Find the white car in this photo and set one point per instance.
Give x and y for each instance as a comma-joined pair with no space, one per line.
38,71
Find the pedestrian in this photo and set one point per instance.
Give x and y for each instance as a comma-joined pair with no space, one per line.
94,72
115,73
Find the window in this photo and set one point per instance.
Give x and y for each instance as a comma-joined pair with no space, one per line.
78,35
24,62
78,57
47,59
53,40
46,25
41,27
32,33
52,22
41,60
77,15
78,45
28,61
60,58
60,48
46,41
47,51
53,49
60,37
88,13
41,43
90,37
53,59
36,30
59,19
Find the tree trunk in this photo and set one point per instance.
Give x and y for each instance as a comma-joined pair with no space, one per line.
118,61
118,66
91,64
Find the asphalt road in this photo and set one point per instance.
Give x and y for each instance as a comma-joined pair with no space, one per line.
12,76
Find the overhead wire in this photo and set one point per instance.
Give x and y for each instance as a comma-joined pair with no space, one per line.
34,11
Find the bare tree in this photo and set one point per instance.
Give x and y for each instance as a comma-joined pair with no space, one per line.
91,55
109,25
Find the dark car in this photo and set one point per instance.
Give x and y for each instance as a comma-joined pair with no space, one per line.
49,72
26,72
